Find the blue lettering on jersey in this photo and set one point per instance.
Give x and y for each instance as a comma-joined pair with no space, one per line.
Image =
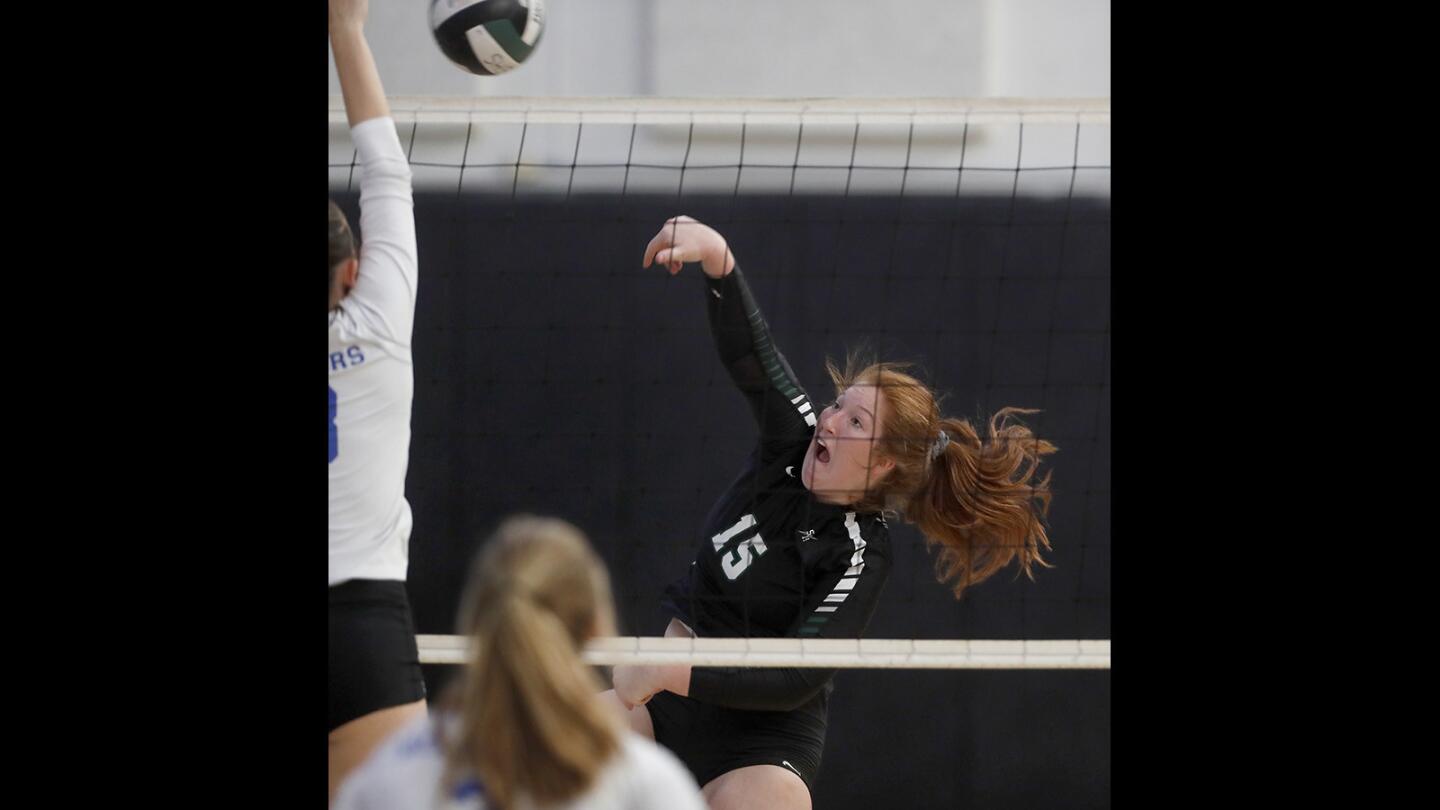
352,356
334,434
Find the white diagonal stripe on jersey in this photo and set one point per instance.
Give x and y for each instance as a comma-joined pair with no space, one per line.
803,406
852,574
740,525
857,560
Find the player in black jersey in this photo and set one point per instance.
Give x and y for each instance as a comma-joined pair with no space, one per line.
798,546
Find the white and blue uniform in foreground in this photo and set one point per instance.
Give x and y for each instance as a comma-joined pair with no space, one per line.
405,772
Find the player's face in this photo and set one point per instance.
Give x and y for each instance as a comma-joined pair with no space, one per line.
843,460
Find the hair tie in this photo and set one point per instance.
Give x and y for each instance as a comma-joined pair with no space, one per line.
941,442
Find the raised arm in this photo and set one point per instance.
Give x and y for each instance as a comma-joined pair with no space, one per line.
742,338
359,80
384,293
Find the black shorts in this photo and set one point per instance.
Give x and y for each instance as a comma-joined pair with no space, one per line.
713,740
374,662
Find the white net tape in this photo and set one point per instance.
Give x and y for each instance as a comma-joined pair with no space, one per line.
873,653
447,109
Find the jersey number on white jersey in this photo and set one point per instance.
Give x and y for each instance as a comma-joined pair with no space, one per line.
334,435
739,558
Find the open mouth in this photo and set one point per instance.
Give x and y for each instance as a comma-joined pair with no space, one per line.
822,453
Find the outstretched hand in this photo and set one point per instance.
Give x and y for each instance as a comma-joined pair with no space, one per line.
684,239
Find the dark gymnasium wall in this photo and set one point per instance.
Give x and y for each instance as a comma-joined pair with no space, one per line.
553,375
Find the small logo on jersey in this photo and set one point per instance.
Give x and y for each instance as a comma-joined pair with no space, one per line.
790,471
787,764
716,293
806,534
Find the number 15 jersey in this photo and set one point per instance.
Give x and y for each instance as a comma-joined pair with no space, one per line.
774,561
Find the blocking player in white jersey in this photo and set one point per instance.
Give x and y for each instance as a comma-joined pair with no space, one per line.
523,726
375,683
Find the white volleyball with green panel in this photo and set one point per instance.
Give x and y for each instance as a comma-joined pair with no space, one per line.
487,37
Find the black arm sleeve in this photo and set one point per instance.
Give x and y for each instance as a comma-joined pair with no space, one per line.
742,338
853,593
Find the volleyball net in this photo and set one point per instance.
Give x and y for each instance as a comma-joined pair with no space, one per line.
555,375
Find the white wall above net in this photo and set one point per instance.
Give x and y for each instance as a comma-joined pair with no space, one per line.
758,48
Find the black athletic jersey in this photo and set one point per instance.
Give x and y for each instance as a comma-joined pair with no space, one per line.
774,561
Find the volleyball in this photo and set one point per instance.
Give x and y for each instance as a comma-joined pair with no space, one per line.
487,37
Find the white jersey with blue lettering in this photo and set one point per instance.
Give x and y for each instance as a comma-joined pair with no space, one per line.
372,381
406,770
